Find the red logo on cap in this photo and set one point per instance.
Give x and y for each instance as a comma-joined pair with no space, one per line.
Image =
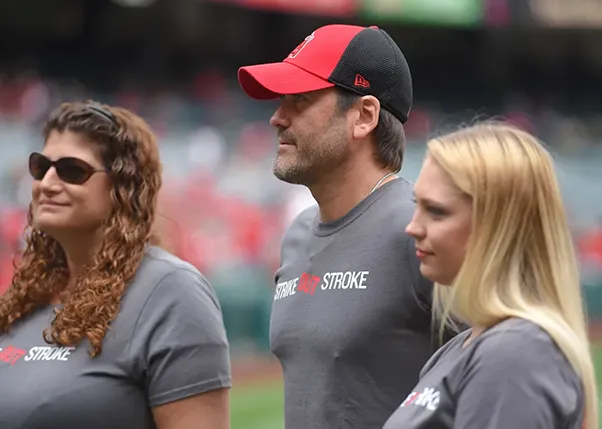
302,45
361,81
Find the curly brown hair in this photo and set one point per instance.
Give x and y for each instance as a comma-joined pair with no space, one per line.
130,154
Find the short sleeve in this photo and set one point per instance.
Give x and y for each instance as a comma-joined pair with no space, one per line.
179,347
517,381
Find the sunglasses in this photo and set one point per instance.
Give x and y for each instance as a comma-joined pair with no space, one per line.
70,170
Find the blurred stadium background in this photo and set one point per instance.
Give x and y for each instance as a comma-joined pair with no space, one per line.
537,63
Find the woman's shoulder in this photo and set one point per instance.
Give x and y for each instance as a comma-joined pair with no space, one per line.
514,345
160,260
522,347
161,272
523,361
157,264
445,350
515,333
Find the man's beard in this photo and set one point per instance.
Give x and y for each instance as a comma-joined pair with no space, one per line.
318,157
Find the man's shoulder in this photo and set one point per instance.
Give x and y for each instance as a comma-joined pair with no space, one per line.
392,209
299,231
303,222
403,185
306,217
399,196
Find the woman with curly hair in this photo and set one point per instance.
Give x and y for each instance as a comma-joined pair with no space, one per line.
100,328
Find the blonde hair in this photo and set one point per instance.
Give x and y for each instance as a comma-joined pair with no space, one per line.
520,260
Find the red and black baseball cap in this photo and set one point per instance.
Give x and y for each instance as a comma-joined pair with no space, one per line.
364,60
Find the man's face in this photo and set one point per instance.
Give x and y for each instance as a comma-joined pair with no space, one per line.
313,136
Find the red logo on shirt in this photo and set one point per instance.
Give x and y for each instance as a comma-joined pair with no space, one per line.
429,399
11,354
308,283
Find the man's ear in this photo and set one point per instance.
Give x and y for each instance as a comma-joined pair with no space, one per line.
367,118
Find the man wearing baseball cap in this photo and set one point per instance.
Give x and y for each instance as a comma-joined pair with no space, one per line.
351,322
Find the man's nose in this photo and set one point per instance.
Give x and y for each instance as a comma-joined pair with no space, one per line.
280,119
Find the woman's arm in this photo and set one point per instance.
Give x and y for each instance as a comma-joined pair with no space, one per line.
209,410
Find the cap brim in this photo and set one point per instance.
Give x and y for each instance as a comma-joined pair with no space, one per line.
269,81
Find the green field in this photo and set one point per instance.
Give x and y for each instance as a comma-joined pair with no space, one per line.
258,406
261,406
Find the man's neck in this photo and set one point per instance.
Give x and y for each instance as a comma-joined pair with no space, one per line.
342,191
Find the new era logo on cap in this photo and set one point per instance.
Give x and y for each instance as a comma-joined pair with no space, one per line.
361,81
362,60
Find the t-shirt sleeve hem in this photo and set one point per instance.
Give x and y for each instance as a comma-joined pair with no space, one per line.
189,391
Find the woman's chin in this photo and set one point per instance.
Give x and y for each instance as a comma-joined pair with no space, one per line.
429,272
50,224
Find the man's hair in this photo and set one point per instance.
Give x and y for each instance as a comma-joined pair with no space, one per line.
389,133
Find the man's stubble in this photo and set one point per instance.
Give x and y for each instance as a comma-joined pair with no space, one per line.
314,156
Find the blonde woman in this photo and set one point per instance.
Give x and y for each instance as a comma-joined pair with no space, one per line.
491,232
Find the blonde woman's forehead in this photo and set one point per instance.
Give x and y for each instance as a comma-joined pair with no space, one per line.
433,181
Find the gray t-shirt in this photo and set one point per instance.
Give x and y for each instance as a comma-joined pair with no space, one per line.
513,376
351,318
167,343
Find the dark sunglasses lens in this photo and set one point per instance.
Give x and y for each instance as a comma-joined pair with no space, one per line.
72,171
38,166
